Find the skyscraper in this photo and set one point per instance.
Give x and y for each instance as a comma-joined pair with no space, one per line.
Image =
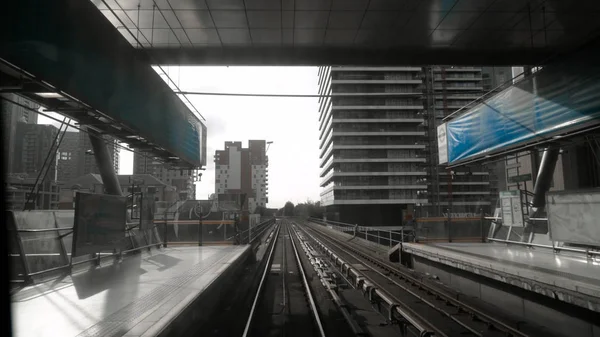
373,143
68,157
378,133
12,114
241,170
463,191
31,149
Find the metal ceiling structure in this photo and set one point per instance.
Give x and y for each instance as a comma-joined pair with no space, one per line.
366,32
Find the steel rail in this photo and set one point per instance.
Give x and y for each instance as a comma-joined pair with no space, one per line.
262,283
343,308
404,275
310,296
370,286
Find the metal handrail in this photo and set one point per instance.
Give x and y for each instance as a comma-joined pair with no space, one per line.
575,250
33,230
366,230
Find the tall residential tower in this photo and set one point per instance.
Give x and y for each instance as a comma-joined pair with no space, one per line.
241,170
373,143
378,142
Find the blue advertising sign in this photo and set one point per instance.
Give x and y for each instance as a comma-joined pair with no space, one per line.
560,98
73,47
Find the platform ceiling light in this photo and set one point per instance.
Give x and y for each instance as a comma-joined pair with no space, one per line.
49,94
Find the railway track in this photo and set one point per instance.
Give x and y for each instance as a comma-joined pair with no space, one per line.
419,308
284,304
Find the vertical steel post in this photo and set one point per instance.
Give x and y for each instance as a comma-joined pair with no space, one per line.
449,226
200,232
481,224
105,164
166,232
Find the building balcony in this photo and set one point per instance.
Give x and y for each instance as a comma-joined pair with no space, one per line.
457,88
467,183
378,107
327,179
457,79
326,144
372,160
378,120
325,156
376,81
375,69
457,69
449,106
378,94
456,96
328,150
378,187
378,133
467,193
465,203
373,202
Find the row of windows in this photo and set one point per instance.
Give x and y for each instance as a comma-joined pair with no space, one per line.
387,88
377,114
377,167
350,101
375,194
369,75
377,127
375,154
459,84
375,181
380,140
456,75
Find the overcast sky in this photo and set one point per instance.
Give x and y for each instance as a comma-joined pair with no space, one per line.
290,123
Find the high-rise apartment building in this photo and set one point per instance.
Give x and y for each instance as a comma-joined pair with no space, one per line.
68,157
378,133
11,115
182,180
373,143
241,170
86,162
467,190
31,149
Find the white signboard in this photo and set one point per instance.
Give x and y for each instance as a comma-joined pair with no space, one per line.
512,211
573,216
442,144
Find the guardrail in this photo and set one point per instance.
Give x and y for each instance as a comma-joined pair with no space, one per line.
555,246
64,254
439,229
385,237
43,251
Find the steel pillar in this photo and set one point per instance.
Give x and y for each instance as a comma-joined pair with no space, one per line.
544,177
105,163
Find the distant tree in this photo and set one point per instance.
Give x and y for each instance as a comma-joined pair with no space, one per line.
260,210
288,209
309,209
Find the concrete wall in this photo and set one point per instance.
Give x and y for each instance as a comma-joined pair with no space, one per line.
558,317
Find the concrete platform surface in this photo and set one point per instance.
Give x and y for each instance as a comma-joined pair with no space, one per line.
567,276
140,296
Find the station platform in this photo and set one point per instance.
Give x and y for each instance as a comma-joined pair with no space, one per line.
566,276
154,293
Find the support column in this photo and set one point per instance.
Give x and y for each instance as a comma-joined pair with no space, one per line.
544,177
105,163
